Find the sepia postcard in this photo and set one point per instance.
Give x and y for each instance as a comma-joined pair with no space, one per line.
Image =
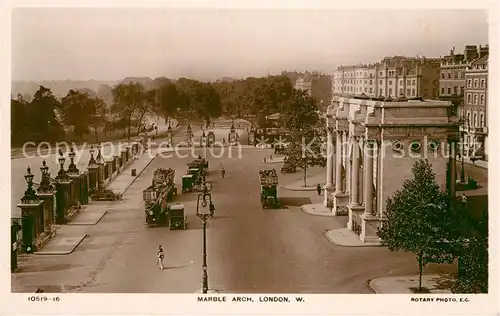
221,158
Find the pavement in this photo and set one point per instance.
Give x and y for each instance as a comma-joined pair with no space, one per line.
318,209
346,238
249,249
434,283
311,181
19,164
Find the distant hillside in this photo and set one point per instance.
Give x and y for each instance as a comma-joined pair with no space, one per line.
58,87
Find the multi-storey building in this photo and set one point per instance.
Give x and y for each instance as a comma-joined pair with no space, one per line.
393,77
474,110
319,86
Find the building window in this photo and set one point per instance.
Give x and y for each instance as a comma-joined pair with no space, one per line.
482,99
366,89
475,99
442,90
455,74
455,90
371,91
476,83
449,75
408,83
469,83
400,91
449,90
468,118
408,92
371,81
475,119
461,90
469,98
442,75
380,81
413,92
459,75
483,83
413,82
481,120
380,91
390,82
390,91
381,73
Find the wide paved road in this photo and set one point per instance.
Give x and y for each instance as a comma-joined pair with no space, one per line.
250,250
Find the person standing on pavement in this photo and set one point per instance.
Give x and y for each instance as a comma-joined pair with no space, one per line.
318,189
223,172
160,256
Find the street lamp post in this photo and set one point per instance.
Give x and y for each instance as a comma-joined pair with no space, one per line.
169,134
205,213
61,175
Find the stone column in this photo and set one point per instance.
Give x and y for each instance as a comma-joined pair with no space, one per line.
368,188
338,167
347,163
329,159
355,173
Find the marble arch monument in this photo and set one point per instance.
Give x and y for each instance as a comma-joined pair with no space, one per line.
372,147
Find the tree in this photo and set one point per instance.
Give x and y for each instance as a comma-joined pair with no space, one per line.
19,119
472,276
43,120
75,110
421,221
97,114
306,144
167,98
128,100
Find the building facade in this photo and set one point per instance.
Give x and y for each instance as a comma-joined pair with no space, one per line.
372,147
393,77
475,105
319,86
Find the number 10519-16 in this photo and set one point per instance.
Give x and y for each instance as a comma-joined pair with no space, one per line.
43,299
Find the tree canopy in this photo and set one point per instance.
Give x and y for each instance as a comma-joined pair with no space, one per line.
420,220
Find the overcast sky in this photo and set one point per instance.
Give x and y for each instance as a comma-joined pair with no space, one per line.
109,44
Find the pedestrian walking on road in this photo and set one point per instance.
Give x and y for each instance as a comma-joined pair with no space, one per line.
318,189
223,172
160,257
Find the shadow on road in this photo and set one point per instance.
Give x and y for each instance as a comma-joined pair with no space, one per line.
176,267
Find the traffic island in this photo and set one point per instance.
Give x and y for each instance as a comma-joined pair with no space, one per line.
431,284
298,187
61,245
317,209
347,238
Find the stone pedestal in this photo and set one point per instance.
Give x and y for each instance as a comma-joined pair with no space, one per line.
355,212
369,228
84,188
75,190
32,225
93,177
340,203
62,201
328,194
109,166
48,210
